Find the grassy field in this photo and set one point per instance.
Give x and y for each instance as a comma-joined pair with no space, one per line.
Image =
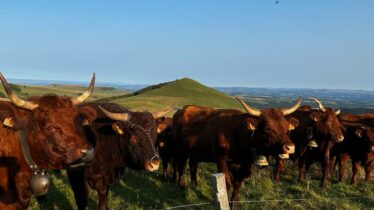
140,190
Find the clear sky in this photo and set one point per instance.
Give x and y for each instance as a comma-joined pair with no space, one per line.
252,43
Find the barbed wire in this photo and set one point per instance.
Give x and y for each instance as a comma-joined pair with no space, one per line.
263,201
187,205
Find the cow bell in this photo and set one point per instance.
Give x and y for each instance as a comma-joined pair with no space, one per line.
39,184
312,143
261,161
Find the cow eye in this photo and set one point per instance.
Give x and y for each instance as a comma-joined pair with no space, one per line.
51,129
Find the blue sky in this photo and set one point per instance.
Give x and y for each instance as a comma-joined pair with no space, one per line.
252,43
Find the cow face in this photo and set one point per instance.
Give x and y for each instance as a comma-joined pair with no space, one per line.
163,128
138,134
272,133
365,135
53,127
326,125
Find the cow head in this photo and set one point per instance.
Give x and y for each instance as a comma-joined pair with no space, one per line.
365,134
138,134
53,126
163,128
272,129
325,123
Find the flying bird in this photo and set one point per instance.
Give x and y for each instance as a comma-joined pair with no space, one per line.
276,2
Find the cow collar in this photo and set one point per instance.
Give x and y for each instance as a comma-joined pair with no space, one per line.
26,153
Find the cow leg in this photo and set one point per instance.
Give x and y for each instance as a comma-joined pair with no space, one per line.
79,186
103,195
238,178
325,163
332,165
181,165
165,163
367,174
342,170
302,165
174,170
279,168
193,171
368,167
355,168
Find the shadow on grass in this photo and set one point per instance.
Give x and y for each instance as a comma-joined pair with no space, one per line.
56,198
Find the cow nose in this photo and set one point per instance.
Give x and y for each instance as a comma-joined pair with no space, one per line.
372,149
153,165
340,138
88,154
289,148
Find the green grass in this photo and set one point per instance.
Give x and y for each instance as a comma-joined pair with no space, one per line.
140,190
25,91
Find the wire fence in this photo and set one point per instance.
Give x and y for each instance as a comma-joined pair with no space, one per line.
265,201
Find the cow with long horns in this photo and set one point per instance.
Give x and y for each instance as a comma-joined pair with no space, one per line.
317,133
41,133
121,138
230,138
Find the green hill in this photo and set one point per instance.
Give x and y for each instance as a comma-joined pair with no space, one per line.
25,91
181,92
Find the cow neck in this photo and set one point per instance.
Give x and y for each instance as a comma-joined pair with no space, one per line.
26,153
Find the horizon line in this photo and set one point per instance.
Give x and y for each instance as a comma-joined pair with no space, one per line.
214,86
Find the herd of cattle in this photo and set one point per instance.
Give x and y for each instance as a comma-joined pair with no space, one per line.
96,141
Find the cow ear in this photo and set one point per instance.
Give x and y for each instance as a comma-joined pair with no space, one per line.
251,125
118,128
88,114
315,116
293,123
13,117
158,130
359,132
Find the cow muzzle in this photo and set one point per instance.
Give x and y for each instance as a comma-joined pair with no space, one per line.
340,138
372,149
88,154
152,165
289,148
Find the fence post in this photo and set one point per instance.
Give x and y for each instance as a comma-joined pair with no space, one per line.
220,192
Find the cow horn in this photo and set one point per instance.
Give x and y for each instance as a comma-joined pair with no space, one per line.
86,94
287,111
14,99
115,116
251,111
163,113
337,112
5,99
320,106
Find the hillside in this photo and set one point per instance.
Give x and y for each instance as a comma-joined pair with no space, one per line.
25,91
181,92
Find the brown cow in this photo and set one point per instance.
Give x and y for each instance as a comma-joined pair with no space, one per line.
53,131
359,145
121,138
164,142
230,138
322,126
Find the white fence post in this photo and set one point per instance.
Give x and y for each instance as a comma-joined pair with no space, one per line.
220,192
